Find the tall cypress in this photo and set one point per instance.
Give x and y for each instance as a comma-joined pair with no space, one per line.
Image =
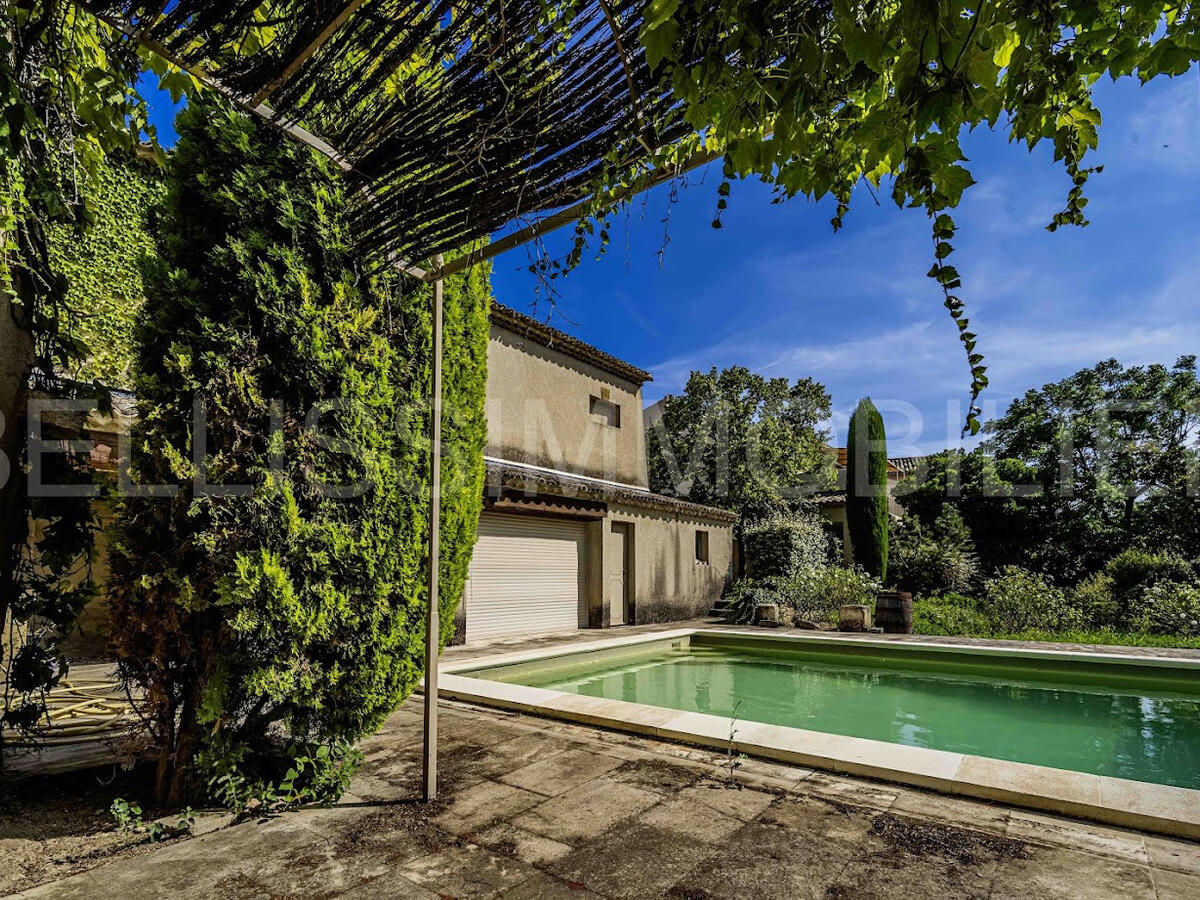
272,625
866,488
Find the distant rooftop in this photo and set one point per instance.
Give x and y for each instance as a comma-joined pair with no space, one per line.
902,465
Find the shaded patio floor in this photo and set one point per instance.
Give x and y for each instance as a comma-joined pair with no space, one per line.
534,808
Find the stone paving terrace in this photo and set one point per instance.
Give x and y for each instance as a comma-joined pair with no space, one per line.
534,808
538,808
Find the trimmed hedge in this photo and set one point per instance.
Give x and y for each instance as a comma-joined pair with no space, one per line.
782,546
271,629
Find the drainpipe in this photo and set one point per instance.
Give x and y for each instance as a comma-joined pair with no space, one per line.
432,629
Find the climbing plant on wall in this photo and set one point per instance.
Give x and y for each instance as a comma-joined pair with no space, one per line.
102,267
68,98
281,620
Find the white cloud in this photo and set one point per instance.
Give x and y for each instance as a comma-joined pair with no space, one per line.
917,373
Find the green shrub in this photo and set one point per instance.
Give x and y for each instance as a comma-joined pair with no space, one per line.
1016,600
951,614
1135,569
934,560
272,628
829,587
1133,572
746,595
866,489
813,594
785,545
1170,608
296,775
1096,599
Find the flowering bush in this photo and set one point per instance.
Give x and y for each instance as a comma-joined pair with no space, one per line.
1017,600
783,546
1135,572
813,594
1170,608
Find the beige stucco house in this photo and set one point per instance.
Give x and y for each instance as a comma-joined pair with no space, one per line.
833,503
571,535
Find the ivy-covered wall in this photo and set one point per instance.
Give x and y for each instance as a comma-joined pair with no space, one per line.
102,266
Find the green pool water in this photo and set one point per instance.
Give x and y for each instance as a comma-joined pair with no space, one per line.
1128,721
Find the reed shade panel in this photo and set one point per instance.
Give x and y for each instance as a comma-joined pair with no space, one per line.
81,710
456,118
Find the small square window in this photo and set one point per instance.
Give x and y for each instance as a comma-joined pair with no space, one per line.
701,546
605,411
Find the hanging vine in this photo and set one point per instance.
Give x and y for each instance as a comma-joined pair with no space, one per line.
818,99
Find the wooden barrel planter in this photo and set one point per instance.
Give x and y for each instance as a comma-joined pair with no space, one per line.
893,612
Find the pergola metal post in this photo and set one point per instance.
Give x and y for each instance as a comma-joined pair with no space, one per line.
432,624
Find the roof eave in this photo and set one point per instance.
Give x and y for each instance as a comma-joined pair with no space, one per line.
552,338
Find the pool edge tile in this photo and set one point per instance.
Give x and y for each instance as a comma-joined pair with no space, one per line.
1143,805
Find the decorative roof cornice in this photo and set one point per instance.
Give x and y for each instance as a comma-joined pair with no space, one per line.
499,474
905,465
541,333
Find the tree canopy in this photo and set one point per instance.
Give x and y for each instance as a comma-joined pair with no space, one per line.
739,441
817,98
601,97
1078,470
1110,436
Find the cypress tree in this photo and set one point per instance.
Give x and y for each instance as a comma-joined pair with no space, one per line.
272,625
866,488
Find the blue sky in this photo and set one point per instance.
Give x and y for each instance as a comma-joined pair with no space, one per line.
775,290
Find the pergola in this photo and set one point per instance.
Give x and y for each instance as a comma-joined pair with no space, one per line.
451,120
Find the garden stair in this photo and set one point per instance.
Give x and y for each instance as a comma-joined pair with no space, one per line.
720,608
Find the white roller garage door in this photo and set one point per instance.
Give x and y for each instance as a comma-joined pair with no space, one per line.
526,576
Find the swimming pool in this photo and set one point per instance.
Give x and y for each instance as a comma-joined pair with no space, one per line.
1105,735
1130,721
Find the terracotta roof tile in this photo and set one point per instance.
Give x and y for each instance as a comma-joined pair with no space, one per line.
520,477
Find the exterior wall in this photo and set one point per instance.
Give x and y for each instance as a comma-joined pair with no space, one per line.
668,584
538,412
837,515
893,478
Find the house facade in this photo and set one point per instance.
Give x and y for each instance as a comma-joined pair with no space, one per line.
571,535
833,503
